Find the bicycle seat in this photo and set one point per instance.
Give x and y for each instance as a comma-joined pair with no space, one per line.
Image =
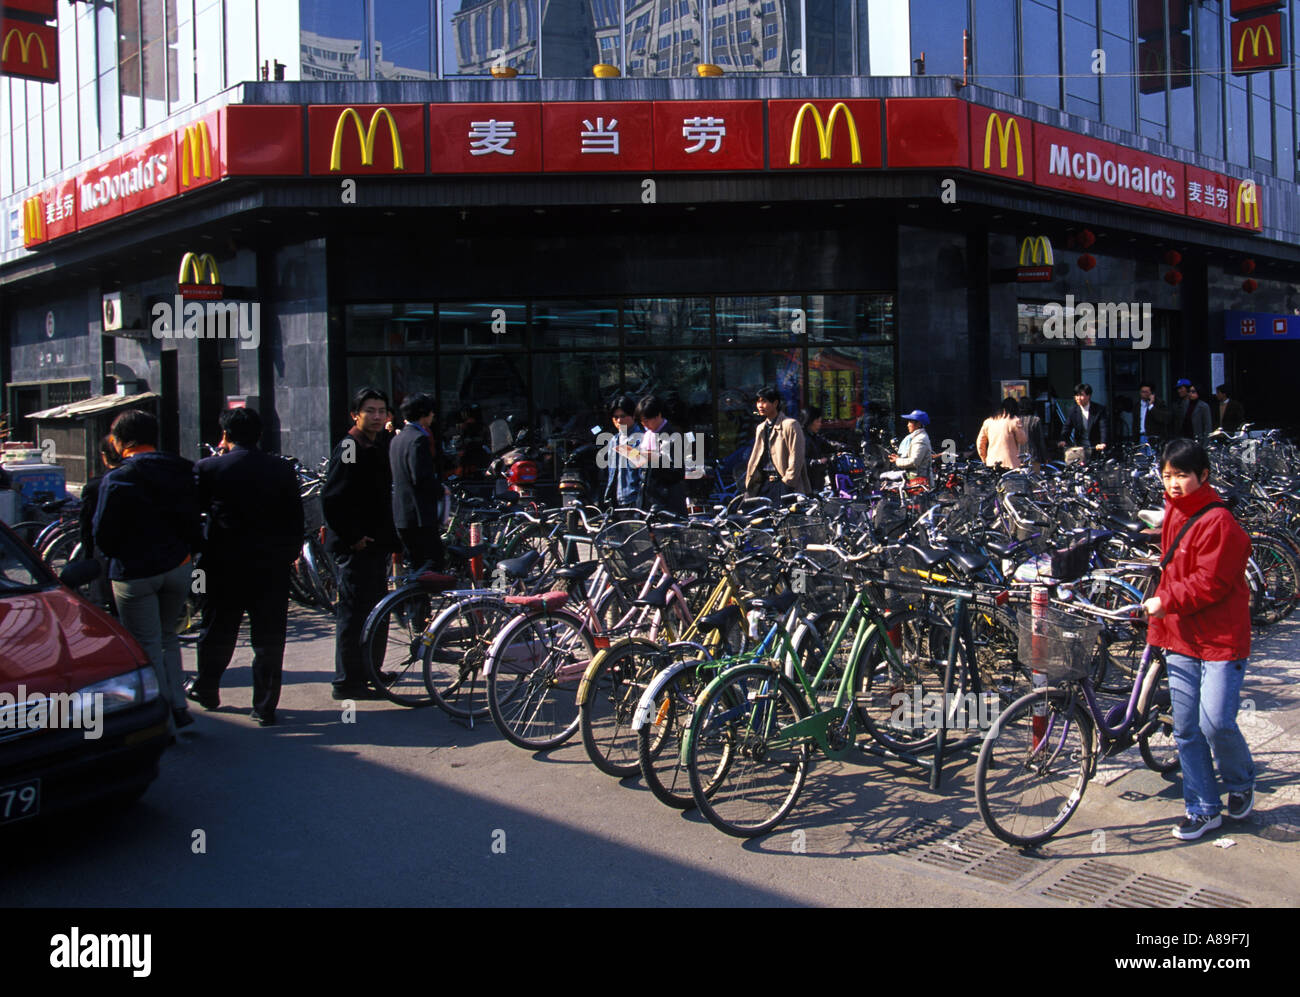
545,601
656,597
718,620
1002,548
1154,518
518,567
775,604
578,572
968,561
931,555
435,581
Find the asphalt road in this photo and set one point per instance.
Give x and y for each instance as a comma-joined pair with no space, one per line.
398,807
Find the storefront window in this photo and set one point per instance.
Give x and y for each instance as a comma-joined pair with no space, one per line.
390,327
498,385
680,377
396,376
402,40
740,374
850,318
765,318
661,321
482,324
575,323
571,392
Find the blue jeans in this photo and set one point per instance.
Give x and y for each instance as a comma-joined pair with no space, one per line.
1205,696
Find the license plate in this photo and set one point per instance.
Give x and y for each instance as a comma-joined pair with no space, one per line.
20,801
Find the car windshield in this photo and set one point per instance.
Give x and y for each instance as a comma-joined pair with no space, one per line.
19,570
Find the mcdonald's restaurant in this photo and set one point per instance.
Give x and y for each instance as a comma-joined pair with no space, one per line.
868,245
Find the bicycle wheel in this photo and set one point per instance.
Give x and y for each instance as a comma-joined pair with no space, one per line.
534,667
1156,730
1033,767
997,654
615,685
1279,573
895,689
455,648
394,641
744,776
57,552
659,741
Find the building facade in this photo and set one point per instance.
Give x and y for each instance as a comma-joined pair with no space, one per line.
877,207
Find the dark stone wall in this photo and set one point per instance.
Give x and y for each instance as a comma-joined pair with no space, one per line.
294,353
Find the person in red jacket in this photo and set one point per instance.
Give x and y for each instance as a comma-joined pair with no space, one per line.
1200,615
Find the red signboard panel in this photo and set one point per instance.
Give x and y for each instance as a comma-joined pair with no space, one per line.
28,50
149,174
1208,195
261,141
1257,44
43,7
1001,144
1239,7
1083,165
926,131
50,214
99,194
347,140
708,134
198,153
823,134
485,138
603,136
1151,64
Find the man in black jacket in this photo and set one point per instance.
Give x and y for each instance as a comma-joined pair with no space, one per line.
255,530
1086,426
417,490
665,474
357,503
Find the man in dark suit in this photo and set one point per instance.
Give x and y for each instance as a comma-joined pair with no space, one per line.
1152,417
1086,426
665,474
417,490
254,533
357,501
1229,413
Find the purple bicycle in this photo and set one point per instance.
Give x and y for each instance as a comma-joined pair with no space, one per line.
1041,751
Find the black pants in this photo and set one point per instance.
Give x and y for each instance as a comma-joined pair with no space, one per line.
423,545
263,593
363,581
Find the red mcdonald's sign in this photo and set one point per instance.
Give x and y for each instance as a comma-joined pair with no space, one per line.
1258,44
29,51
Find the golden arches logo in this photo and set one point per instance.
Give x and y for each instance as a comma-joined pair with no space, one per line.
825,132
1248,204
1253,34
33,219
365,138
25,46
1033,247
1004,142
199,266
196,152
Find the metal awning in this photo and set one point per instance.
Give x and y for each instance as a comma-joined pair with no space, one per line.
91,406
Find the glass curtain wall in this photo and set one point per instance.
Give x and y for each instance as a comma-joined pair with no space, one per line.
555,364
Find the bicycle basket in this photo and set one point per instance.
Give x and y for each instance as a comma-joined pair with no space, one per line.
1015,483
1056,643
626,558
760,565
888,515
1070,563
1024,518
686,549
803,530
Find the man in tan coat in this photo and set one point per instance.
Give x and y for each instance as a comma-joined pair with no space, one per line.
776,464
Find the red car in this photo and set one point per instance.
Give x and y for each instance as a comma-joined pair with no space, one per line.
80,714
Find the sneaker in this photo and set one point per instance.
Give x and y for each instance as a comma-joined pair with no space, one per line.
1193,826
1241,804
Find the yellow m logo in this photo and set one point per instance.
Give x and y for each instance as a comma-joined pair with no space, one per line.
825,132
1034,246
25,46
195,152
199,266
1004,142
366,139
33,219
1253,34
1248,203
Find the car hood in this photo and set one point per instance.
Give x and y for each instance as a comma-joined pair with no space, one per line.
55,641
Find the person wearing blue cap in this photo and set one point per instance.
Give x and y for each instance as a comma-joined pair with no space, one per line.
1192,419
913,457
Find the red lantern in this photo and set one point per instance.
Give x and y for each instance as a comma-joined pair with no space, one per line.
1087,261
1086,239
1174,277
1173,257
1249,284
1247,266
